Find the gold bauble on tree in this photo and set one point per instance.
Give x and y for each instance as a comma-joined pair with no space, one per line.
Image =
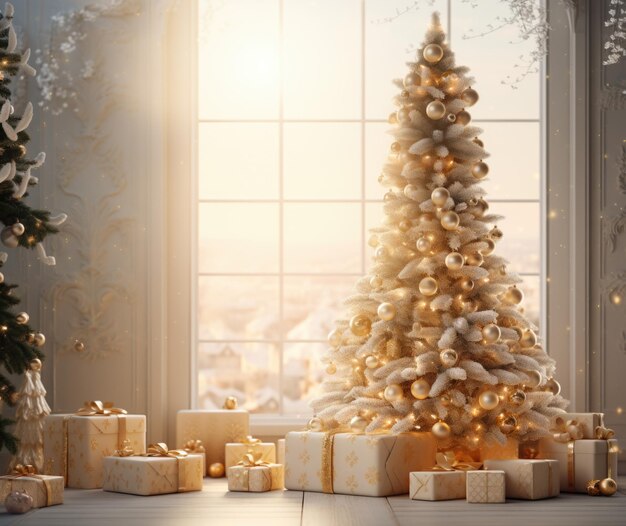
463,118
396,147
404,225
495,233
528,339
331,368
488,400
22,318
432,53
371,361
35,365
403,115
475,260
412,79
491,333
450,220
393,393
360,325
469,96
409,189
535,378
491,246
230,403
608,487
315,424
480,170
513,295
423,244
386,311
428,286
440,196
466,284
517,397
376,282
358,424
455,261
420,389
451,117
393,118
507,424
448,357
435,110
553,386
380,252
216,470
441,430
335,338
373,241
40,340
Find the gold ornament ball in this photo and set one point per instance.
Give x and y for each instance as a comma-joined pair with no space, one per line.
40,339
216,470
491,246
491,333
488,400
412,79
528,339
22,318
469,96
386,311
79,346
475,260
380,252
405,94
450,220
409,189
534,378
517,397
608,487
358,424
480,170
455,261
36,364
231,403
553,386
463,117
495,233
508,424
403,115
466,284
420,389
404,225
393,393
17,229
335,338
376,282
315,424
423,244
433,53
396,147
514,295
360,325
435,110
331,368
371,362
440,196
428,286
448,357
441,430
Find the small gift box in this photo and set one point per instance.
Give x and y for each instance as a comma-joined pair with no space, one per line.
157,472
255,475
45,490
485,486
74,445
235,451
195,447
355,464
445,481
586,424
215,428
528,479
280,451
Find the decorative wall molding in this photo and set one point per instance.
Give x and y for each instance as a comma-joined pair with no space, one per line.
612,228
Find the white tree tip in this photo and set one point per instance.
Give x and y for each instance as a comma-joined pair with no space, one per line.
435,20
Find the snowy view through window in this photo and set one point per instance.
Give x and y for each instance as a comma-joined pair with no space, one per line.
293,99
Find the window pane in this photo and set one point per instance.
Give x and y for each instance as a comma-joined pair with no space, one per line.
303,373
521,241
241,308
322,237
229,233
322,50
377,143
493,57
532,298
238,160
238,60
322,161
248,371
312,304
374,216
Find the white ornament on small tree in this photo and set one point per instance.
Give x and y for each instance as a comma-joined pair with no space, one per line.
31,410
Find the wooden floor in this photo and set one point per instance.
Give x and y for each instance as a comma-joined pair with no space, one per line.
216,507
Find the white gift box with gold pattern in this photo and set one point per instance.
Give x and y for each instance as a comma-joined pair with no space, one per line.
587,422
280,451
371,465
139,475
74,446
45,490
214,427
485,486
528,479
256,478
437,485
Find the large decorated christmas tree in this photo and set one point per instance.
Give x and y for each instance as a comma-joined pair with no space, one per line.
437,339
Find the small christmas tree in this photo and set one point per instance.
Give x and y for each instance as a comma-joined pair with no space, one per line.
23,226
437,340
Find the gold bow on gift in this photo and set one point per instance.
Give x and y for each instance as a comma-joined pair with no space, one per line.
23,470
126,451
96,407
251,460
567,430
447,462
604,433
194,446
160,449
250,441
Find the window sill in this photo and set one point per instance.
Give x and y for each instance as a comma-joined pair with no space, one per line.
275,426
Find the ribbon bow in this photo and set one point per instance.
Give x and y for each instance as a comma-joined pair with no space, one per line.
250,441
251,460
125,451
604,433
567,430
160,449
194,446
448,462
96,407
24,470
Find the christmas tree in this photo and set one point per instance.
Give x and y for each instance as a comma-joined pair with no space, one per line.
23,226
437,339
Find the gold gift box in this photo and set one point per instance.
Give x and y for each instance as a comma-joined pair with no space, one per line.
46,490
485,486
528,479
581,461
587,422
139,475
437,485
371,465
256,478
215,428
74,446
235,451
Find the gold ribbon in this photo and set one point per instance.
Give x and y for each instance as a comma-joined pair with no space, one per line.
567,430
571,465
194,446
604,433
447,462
328,443
250,441
160,449
253,460
96,407
28,470
125,451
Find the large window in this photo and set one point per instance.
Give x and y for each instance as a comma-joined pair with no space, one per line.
293,100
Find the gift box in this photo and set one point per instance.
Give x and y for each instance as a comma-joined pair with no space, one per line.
75,444
280,451
45,490
485,486
586,423
215,428
528,479
158,472
255,475
581,461
370,465
196,447
437,485
235,451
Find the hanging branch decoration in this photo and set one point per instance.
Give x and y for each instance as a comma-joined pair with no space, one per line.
616,21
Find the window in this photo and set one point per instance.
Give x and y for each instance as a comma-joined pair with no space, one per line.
293,100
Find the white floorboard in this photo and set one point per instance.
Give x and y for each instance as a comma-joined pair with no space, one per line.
216,507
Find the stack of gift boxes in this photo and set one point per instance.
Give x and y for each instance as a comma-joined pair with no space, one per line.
101,446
